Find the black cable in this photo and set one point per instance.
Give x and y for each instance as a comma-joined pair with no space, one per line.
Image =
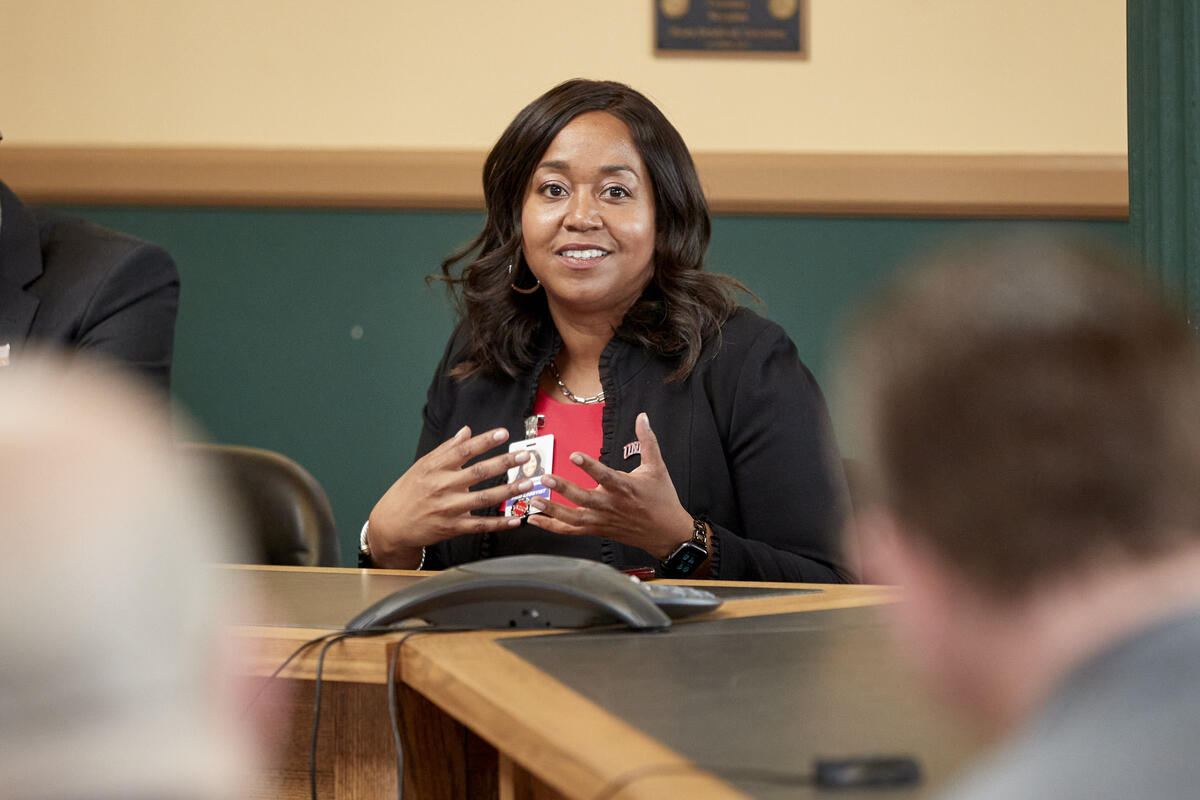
330,639
394,707
267,681
312,750
394,712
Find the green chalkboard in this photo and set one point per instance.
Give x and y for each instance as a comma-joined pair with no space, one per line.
312,332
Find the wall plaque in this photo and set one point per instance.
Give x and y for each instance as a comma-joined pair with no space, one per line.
729,26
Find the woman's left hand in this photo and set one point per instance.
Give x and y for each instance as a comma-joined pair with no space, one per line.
638,508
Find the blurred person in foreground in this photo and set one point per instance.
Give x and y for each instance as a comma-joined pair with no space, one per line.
687,434
113,682
1031,440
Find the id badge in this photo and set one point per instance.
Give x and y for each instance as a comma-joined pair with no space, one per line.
541,461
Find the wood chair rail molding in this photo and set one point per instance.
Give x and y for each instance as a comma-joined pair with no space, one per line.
917,185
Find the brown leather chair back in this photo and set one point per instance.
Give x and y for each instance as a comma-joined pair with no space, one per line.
286,510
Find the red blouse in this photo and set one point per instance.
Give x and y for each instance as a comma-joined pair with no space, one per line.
576,428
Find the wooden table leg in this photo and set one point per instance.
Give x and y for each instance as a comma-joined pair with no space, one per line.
443,759
356,756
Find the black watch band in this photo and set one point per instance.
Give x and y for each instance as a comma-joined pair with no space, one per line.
688,557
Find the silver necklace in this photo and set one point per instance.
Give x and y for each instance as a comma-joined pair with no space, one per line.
562,387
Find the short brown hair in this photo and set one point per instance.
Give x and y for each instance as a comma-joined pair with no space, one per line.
1029,408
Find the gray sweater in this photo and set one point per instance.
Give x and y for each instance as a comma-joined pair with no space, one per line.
1125,725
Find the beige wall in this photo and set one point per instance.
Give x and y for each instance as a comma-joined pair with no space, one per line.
910,76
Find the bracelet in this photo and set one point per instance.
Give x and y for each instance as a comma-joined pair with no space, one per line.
364,549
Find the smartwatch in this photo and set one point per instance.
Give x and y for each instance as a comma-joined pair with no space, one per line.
688,557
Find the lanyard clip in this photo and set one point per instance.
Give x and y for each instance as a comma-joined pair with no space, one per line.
532,423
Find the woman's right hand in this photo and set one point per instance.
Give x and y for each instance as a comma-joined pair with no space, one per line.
433,500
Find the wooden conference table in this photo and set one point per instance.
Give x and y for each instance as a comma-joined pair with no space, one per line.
758,689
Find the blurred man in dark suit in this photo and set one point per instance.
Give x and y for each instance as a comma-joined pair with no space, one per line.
69,284
1030,422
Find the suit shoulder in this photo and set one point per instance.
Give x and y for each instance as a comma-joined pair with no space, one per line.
75,243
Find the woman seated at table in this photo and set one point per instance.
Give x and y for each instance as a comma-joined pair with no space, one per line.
687,434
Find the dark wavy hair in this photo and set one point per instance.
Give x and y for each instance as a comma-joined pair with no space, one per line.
681,306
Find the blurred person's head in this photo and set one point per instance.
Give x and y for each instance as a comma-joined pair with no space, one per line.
1028,423
111,684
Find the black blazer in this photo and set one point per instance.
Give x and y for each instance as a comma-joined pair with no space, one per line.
746,438
71,284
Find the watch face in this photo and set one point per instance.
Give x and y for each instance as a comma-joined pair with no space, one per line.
685,560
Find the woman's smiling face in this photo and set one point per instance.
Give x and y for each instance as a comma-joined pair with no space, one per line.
588,219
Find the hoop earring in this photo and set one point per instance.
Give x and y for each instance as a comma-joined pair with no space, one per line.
518,289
